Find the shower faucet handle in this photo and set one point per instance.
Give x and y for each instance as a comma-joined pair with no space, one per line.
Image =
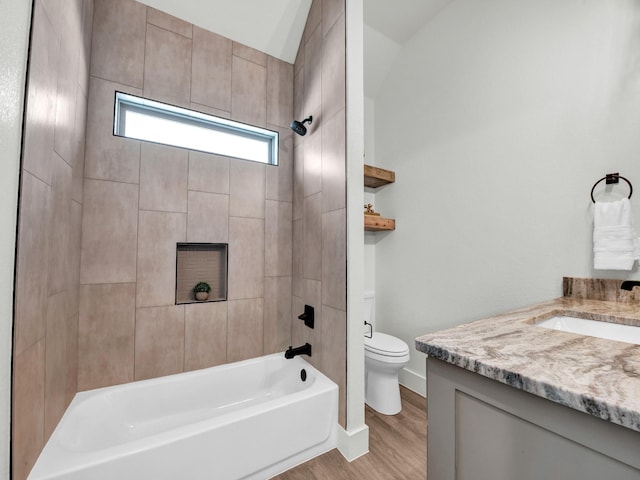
308,316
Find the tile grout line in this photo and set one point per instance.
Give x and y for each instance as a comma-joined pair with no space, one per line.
135,313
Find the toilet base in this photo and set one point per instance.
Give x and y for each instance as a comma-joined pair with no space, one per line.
382,392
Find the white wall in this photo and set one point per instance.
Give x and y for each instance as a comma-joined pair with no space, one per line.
14,33
370,238
497,118
354,441
379,54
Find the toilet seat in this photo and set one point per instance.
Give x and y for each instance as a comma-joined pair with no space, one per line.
386,345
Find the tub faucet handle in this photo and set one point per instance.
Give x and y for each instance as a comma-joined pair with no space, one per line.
308,316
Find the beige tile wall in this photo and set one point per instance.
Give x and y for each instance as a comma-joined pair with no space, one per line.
141,199
106,334
319,195
49,231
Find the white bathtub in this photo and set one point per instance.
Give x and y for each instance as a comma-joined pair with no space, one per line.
245,420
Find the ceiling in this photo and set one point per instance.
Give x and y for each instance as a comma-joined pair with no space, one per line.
276,26
388,26
401,19
273,26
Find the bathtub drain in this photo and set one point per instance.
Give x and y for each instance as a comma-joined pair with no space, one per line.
303,375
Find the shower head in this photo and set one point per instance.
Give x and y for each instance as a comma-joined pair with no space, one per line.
299,127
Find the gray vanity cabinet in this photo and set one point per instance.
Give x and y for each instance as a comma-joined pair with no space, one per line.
480,429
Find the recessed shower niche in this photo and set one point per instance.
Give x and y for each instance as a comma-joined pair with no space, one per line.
201,262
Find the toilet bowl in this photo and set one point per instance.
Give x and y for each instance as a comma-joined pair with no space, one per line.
384,356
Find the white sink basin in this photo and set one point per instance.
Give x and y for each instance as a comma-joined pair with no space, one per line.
593,328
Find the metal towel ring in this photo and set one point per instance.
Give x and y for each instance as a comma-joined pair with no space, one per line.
612,178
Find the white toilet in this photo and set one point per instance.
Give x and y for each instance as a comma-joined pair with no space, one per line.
384,356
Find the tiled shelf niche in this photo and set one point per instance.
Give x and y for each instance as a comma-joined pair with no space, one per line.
201,262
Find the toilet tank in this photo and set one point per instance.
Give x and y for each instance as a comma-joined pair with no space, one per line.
369,306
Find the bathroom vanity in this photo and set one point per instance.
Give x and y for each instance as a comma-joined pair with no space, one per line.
508,399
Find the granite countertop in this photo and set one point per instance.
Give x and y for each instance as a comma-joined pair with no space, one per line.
596,376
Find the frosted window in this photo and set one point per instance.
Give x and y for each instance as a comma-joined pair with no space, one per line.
158,122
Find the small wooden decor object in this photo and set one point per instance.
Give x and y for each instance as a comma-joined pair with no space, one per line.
368,210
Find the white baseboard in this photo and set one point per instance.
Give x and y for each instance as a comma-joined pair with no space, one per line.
353,444
413,381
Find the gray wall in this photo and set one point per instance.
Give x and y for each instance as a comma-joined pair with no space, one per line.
498,117
15,21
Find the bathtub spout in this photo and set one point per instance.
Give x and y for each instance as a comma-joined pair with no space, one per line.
303,350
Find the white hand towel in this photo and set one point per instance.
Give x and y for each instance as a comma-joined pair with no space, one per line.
615,243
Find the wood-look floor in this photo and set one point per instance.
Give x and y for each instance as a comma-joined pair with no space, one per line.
397,448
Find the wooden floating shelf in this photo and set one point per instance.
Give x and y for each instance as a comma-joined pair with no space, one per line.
375,177
373,223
